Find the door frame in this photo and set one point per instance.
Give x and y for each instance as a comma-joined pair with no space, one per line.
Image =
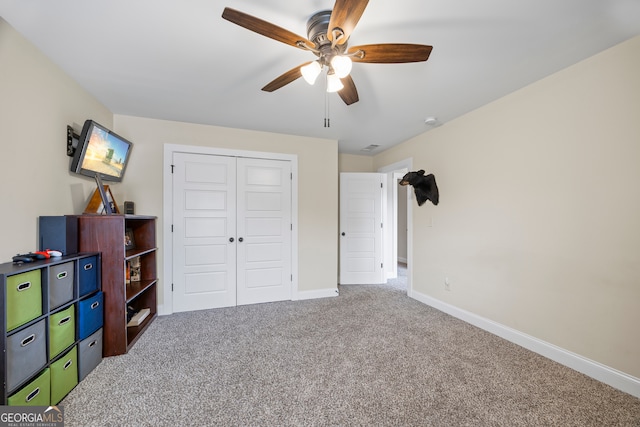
167,210
392,170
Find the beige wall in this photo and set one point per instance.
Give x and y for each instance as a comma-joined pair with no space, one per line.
354,163
37,102
538,226
317,182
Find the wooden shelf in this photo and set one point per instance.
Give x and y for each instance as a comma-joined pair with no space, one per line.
134,332
134,289
132,253
105,233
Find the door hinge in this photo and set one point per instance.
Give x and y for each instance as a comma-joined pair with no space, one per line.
291,227
172,228
292,277
381,265
172,166
291,176
172,287
381,225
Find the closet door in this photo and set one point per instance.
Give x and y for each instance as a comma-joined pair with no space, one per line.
231,231
264,231
204,231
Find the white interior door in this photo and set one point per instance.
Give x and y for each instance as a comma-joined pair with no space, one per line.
204,222
361,228
232,232
264,230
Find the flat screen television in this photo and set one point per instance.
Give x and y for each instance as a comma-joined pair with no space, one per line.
101,153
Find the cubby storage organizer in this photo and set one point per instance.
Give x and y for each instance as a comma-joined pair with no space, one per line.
52,310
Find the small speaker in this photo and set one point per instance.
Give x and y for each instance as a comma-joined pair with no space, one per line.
59,233
129,208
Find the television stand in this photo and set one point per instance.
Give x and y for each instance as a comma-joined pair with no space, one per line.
102,201
103,195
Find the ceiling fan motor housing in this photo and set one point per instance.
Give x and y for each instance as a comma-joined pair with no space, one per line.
317,27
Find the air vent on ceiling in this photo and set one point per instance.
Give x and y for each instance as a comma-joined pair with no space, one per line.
370,147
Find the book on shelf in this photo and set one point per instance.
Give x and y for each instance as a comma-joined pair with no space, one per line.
139,317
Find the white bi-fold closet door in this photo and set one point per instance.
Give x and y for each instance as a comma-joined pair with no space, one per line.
231,231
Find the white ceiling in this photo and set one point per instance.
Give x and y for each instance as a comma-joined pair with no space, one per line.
179,60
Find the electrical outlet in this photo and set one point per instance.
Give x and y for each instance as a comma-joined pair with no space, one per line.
447,284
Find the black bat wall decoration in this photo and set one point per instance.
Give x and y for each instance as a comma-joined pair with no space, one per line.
423,185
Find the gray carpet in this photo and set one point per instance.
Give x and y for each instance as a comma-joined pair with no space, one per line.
370,357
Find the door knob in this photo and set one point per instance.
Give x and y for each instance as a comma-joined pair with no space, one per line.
231,239
240,239
343,233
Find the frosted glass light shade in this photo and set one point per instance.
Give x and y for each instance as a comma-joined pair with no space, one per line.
341,65
311,71
333,83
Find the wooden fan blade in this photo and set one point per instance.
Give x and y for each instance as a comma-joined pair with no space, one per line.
391,53
344,17
264,28
348,93
285,79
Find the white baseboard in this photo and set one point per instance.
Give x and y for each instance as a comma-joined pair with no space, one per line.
595,370
319,293
160,310
300,295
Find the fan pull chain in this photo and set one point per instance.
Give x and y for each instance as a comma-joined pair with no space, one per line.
327,120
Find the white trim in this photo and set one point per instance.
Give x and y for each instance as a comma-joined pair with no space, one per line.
167,253
391,227
317,293
404,165
167,208
160,310
593,369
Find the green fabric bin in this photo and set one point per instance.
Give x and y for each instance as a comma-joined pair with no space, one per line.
64,375
36,393
24,298
62,331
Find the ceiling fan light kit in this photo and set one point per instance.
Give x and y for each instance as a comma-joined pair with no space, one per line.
311,71
341,65
328,32
333,83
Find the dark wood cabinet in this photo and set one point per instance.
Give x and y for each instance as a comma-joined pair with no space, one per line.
106,234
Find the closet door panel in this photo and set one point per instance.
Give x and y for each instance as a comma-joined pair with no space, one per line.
264,224
204,213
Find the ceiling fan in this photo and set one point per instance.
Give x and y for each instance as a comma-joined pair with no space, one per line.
328,32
